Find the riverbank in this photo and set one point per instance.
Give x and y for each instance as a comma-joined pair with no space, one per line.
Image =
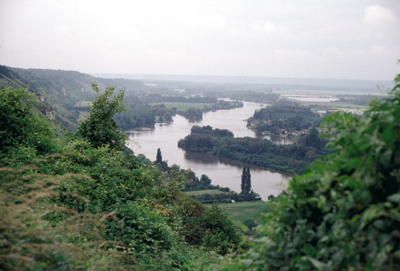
222,171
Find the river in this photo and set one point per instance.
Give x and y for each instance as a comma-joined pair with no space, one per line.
222,171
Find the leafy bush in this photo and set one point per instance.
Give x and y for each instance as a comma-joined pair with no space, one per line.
19,125
100,128
344,212
221,233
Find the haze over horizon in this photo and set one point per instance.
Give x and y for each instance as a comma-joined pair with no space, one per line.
282,39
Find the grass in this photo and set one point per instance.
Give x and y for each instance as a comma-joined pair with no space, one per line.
241,211
202,192
183,106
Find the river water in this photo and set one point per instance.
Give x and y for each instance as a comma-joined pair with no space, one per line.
222,171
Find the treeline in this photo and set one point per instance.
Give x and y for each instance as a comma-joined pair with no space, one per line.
139,113
143,115
245,95
225,197
221,104
196,114
192,114
262,152
284,114
158,98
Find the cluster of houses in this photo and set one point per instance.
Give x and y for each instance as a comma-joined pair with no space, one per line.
254,123
294,132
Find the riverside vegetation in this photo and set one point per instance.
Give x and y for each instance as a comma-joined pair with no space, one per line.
258,151
68,205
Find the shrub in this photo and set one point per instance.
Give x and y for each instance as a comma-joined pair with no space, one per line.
221,233
100,128
19,125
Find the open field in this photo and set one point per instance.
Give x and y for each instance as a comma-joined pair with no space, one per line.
334,106
183,106
329,92
241,211
201,192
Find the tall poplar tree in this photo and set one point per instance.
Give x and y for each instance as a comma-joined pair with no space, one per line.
244,173
159,156
246,179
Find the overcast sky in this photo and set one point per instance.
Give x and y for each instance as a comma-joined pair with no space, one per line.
358,39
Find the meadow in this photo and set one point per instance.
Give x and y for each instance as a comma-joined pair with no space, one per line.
241,211
331,106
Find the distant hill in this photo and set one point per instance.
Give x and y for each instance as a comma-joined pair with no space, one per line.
268,82
60,91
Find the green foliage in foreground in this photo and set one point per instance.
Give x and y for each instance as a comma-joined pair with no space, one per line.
19,126
79,204
344,212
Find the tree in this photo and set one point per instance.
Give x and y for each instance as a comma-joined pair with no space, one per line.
167,116
159,156
246,181
271,197
100,128
312,138
204,180
243,184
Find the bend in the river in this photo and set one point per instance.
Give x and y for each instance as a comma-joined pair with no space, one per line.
222,171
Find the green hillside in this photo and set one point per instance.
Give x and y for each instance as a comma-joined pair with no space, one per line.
60,91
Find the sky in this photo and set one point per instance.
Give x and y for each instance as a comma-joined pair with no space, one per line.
341,39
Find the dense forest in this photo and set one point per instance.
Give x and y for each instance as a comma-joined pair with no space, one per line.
258,151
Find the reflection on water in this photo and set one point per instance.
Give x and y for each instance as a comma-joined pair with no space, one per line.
222,171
